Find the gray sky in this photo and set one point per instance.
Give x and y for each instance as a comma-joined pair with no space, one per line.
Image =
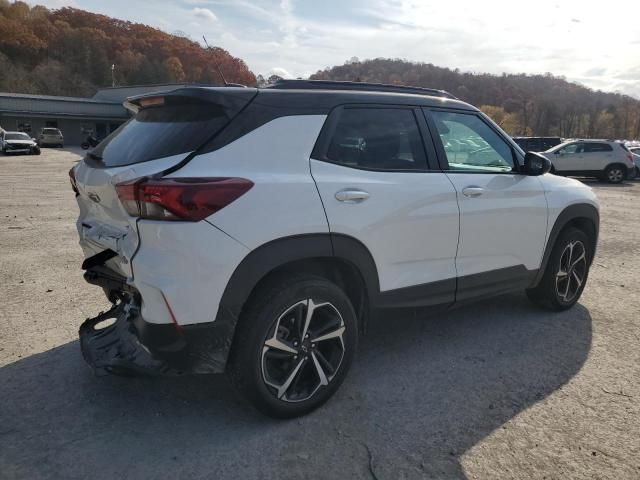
594,43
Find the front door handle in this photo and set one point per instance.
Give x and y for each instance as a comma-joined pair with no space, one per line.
352,196
472,191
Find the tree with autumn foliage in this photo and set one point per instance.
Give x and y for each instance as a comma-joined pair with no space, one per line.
70,52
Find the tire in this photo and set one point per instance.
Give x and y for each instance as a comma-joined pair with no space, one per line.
36,151
614,174
553,291
280,375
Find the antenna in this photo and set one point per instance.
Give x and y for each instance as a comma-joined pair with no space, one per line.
224,80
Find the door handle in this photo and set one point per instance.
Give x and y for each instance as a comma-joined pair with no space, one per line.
352,196
472,191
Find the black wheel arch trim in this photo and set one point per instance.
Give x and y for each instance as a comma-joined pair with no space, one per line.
266,258
571,213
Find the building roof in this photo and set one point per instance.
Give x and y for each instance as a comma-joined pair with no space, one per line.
27,104
51,97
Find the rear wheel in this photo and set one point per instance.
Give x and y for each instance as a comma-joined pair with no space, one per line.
614,174
294,345
566,273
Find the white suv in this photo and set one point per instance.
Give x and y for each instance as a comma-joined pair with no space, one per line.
604,159
255,231
50,136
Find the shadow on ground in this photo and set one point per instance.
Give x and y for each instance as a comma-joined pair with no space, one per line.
421,392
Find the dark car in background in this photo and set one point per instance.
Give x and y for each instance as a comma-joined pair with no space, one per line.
537,144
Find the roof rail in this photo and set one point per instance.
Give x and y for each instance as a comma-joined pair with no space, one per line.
363,86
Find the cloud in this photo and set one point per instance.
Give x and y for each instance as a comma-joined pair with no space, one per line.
281,72
595,72
204,14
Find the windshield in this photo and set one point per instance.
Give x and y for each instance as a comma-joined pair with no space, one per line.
16,136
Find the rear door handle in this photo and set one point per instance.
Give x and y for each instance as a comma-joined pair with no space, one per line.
472,191
352,195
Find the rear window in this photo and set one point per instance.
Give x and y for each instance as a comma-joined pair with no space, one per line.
180,125
51,131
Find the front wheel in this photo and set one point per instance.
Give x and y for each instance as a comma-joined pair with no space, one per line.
293,345
566,273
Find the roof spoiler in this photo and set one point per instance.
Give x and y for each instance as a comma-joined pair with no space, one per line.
230,98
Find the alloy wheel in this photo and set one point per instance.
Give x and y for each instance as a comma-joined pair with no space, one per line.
615,175
303,351
571,271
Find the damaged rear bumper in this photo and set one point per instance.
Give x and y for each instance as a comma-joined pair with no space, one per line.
130,345
116,348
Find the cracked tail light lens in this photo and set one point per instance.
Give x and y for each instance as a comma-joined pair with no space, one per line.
180,199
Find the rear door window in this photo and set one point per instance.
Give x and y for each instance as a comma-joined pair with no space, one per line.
377,139
179,125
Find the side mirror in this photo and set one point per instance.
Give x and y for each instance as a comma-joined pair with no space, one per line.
536,164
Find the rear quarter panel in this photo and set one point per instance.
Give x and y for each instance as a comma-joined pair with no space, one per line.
284,200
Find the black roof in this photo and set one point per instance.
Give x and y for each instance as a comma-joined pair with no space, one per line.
292,97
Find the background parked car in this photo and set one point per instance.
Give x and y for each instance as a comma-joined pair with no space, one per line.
603,159
537,144
50,136
18,142
635,151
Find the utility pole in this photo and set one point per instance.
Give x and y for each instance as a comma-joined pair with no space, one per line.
113,74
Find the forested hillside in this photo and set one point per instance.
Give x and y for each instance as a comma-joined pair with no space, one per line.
522,104
70,52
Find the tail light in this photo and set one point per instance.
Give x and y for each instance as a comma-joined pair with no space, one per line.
186,199
72,179
630,157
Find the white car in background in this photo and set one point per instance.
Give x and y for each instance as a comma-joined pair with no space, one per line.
18,142
51,136
606,160
635,151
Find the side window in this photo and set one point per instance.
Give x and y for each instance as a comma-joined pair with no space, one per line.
571,148
471,145
377,138
597,147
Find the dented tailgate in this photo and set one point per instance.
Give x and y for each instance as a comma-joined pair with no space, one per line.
103,223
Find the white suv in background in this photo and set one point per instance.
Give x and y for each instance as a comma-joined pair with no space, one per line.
606,160
255,231
51,136
635,151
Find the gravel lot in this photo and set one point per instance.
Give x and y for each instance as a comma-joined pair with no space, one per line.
496,390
